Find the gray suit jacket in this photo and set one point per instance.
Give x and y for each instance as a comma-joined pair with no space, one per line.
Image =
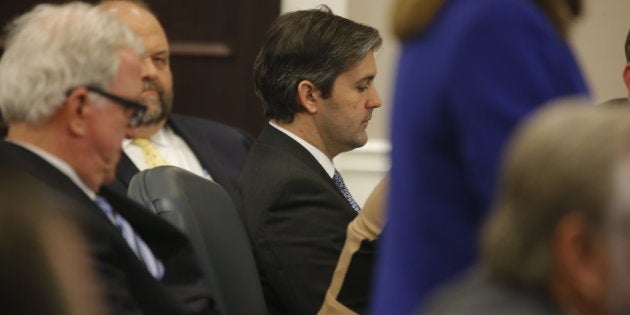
296,219
477,293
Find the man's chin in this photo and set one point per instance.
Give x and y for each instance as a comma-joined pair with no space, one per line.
153,120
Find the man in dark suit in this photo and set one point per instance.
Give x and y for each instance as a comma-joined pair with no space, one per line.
66,79
314,75
206,148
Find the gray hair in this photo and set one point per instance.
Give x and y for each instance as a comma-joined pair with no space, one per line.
561,161
54,48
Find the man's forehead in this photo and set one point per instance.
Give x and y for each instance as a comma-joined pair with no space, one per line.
121,8
364,69
141,21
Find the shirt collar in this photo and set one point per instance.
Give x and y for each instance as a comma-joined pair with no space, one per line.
159,138
59,164
323,160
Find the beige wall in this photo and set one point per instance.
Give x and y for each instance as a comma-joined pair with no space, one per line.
598,40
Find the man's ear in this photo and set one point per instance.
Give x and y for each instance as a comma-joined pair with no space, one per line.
579,252
626,77
74,111
308,95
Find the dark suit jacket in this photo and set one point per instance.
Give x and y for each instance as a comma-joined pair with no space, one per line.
220,149
476,292
129,287
296,218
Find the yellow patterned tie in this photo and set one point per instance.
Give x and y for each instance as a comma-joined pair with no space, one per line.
151,155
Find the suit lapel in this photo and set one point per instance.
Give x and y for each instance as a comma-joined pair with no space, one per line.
125,169
275,138
202,148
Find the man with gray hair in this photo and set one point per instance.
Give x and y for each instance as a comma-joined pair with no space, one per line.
68,78
314,75
557,241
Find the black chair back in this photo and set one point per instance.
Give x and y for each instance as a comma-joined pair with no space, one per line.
207,215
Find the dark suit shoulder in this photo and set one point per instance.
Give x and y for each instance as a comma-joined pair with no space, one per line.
220,149
212,129
476,292
621,101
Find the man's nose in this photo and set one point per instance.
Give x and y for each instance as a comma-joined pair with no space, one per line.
374,101
148,68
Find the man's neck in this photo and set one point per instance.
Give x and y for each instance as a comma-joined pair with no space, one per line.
570,300
57,150
307,131
35,135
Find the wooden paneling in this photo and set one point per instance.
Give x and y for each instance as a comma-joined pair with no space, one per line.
213,47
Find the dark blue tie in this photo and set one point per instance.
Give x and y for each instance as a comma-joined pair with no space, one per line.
344,191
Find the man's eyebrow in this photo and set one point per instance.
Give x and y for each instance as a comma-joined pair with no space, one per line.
161,52
369,77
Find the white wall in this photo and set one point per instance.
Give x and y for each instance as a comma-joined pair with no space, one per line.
597,38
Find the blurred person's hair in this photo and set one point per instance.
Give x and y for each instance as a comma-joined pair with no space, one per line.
46,266
54,48
560,161
314,45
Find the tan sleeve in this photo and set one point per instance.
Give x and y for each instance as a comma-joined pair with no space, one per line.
367,225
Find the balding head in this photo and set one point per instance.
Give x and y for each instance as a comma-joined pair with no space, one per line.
156,72
136,15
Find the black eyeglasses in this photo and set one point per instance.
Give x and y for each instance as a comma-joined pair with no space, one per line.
138,109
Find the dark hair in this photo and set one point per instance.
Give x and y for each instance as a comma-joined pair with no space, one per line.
627,47
313,45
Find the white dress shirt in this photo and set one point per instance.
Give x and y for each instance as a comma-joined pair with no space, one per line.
59,164
323,160
171,147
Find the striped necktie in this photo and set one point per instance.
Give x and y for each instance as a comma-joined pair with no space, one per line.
139,247
344,191
150,153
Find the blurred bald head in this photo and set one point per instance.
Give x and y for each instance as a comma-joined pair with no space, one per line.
157,91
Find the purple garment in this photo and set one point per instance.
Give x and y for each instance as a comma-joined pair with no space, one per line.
462,86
